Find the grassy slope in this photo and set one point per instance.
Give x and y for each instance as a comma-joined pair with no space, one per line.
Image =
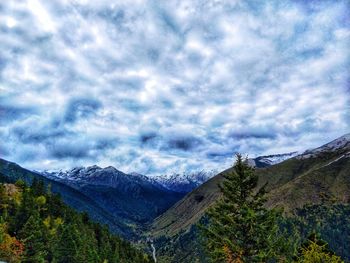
291,184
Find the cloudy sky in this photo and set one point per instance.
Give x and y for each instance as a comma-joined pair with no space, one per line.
170,86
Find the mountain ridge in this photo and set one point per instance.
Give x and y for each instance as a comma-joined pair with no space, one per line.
133,197
288,176
13,172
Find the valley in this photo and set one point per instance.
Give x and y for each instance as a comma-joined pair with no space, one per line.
139,208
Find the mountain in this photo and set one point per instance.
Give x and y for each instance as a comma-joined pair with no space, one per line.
95,175
134,198
310,177
183,183
268,160
124,202
11,172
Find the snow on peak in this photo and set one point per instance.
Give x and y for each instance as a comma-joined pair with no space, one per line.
339,143
184,183
264,161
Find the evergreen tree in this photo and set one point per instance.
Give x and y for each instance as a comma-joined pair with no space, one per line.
36,226
239,227
38,187
25,210
3,201
66,250
34,239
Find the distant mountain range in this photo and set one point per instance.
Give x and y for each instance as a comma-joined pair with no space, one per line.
132,197
183,183
124,202
79,177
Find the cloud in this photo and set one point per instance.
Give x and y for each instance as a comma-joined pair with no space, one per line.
81,108
159,87
69,149
9,113
148,137
184,143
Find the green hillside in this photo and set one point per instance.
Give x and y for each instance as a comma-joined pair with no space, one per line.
311,178
36,226
291,184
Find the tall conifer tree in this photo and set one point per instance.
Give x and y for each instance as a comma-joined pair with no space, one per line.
240,228
34,239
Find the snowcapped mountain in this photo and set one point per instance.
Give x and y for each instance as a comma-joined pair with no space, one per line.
132,197
265,161
183,183
179,183
95,175
342,143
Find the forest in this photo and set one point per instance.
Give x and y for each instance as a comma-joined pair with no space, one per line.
36,226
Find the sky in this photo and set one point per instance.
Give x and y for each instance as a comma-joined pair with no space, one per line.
160,87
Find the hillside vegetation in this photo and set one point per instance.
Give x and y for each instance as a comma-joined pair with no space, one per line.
290,184
319,178
11,172
36,226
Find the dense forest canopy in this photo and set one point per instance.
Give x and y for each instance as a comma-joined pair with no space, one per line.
36,226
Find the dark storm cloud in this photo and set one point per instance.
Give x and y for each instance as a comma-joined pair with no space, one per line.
170,140
184,143
77,148
148,137
255,134
68,149
34,135
81,108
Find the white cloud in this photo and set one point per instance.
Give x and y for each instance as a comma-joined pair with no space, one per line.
170,86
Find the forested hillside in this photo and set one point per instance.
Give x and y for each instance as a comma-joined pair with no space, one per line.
36,226
318,227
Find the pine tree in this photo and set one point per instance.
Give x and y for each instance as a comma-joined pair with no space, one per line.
39,227
67,245
25,210
38,187
34,239
239,227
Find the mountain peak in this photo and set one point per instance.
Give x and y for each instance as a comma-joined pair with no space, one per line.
342,142
267,160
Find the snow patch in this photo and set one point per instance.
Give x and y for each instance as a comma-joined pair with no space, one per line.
342,142
268,160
